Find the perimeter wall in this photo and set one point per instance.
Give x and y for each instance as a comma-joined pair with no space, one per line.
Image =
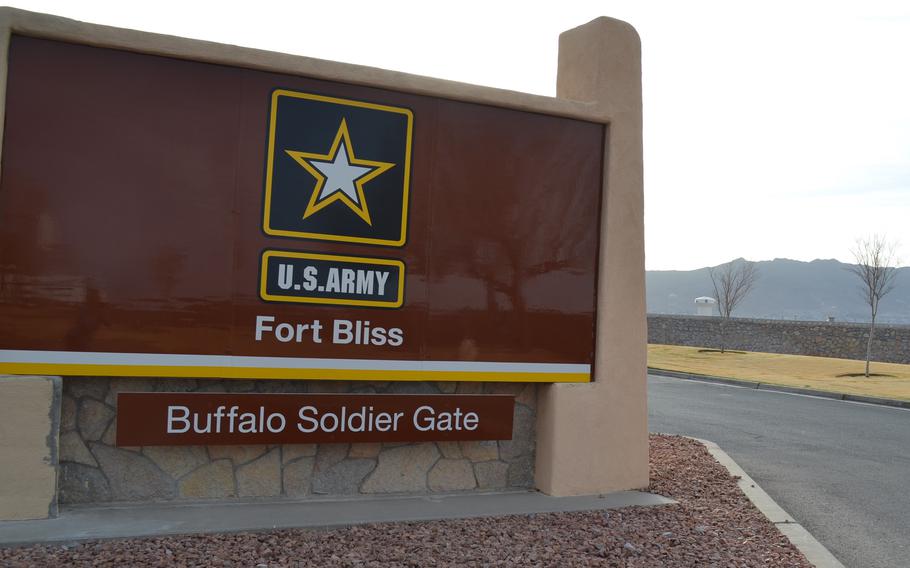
822,339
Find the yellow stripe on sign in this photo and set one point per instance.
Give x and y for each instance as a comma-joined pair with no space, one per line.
172,371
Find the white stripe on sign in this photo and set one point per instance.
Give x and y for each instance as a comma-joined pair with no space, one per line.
168,360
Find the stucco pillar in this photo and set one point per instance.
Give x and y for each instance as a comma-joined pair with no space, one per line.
29,423
593,438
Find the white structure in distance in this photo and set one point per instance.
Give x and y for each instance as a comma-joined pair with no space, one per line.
704,306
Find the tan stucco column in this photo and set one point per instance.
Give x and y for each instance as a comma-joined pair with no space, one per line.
593,438
29,423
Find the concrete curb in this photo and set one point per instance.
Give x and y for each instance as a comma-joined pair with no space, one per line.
780,388
814,551
79,523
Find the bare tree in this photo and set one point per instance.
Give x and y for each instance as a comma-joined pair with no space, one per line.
876,261
732,283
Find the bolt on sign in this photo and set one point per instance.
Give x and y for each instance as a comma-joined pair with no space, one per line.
171,218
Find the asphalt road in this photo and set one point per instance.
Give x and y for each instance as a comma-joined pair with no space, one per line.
841,469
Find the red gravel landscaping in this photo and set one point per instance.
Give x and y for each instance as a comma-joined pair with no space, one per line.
714,525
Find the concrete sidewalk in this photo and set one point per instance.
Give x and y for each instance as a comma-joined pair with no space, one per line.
119,521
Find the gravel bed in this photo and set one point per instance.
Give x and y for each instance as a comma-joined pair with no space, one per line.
714,525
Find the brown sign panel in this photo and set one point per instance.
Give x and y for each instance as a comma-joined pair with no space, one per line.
186,419
166,218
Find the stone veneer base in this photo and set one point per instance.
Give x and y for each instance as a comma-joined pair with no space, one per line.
93,470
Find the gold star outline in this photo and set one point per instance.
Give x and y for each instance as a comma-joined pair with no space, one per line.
315,204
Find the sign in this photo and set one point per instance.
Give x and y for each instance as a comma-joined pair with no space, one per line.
170,218
179,419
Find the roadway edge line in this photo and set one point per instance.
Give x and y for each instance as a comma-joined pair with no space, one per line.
814,551
894,403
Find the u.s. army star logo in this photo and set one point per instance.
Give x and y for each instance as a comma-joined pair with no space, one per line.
340,175
337,169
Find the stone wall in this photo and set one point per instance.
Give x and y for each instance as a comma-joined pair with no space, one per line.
891,343
92,469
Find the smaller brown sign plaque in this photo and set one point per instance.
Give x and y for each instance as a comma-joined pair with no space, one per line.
186,419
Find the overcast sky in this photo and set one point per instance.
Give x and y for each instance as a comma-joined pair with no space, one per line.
772,129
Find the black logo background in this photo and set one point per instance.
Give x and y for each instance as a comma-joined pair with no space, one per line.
310,126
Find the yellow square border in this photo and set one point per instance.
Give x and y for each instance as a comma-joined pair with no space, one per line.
273,117
266,255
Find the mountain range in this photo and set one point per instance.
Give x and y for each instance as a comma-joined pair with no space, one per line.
785,289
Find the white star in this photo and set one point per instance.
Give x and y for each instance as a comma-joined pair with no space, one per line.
340,175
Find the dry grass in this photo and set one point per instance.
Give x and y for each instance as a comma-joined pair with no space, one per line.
819,373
